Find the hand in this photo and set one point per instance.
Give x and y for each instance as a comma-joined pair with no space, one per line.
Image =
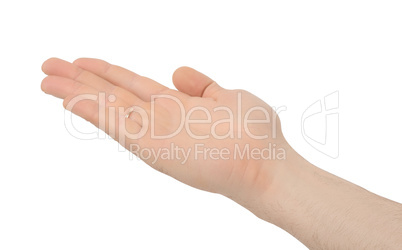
224,141
228,142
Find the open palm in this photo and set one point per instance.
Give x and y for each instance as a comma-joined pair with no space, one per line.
218,140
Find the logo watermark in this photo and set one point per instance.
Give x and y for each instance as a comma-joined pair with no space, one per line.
324,117
254,125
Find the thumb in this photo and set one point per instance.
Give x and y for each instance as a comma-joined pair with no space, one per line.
194,83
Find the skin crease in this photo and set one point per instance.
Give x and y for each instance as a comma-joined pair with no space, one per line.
321,210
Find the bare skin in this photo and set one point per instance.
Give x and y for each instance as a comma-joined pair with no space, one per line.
321,210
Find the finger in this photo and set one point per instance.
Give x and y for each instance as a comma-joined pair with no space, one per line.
58,67
59,86
141,86
194,83
67,89
109,120
106,112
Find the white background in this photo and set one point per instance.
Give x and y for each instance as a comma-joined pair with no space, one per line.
59,192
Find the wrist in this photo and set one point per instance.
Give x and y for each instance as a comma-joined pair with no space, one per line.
288,180
268,187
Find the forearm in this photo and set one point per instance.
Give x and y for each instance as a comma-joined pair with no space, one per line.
326,212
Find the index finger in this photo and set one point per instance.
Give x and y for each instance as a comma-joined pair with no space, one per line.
141,86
